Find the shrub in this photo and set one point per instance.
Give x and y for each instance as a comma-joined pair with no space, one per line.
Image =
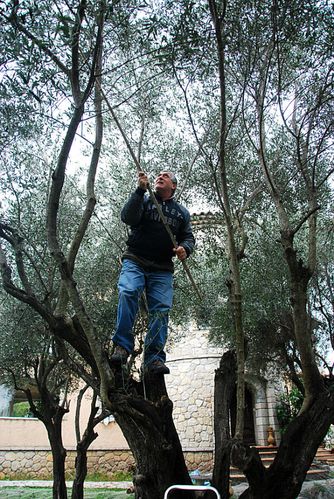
21,410
288,407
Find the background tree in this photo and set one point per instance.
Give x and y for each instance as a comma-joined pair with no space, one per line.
28,362
270,71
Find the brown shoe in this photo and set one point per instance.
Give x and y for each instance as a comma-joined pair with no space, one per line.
119,357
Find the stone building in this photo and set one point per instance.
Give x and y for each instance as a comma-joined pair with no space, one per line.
191,387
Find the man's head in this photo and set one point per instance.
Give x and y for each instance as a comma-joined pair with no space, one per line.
165,184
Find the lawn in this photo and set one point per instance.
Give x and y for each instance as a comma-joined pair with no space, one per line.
46,493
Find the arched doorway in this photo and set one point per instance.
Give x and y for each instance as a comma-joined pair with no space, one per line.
249,432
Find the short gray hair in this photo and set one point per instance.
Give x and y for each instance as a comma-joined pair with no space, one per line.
173,178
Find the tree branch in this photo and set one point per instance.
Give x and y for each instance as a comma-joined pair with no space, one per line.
79,16
294,231
15,23
18,293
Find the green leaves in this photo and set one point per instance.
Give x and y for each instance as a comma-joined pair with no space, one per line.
288,407
64,26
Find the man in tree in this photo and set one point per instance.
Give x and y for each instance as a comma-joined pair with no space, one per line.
147,265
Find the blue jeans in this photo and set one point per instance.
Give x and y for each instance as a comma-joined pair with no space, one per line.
159,294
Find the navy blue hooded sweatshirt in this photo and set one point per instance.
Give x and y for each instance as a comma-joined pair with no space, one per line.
148,237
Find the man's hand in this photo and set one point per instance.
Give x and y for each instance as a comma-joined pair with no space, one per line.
142,181
180,253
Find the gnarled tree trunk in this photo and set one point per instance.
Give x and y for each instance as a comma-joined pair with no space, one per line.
84,442
148,427
81,468
225,383
59,490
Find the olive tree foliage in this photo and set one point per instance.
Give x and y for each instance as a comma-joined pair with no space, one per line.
29,41
266,53
30,363
31,27
297,170
31,355
18,351
267,309
321,299
30,274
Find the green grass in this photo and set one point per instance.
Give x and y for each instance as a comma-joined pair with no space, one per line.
43,493
117,476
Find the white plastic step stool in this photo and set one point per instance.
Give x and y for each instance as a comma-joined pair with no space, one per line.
191,487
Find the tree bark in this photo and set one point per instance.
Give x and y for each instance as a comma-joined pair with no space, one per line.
53,427
148,427
81,467
83,443
51,414
225,383
300,276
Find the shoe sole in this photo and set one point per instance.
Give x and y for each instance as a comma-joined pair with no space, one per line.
158,371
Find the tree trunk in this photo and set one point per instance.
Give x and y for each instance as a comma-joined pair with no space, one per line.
300,276
149,429
284,478
80,471
58,457
225,383
218,11
81,461
51,415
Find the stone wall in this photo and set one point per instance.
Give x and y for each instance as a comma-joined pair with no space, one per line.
202,461
190,385
22,464
37,464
